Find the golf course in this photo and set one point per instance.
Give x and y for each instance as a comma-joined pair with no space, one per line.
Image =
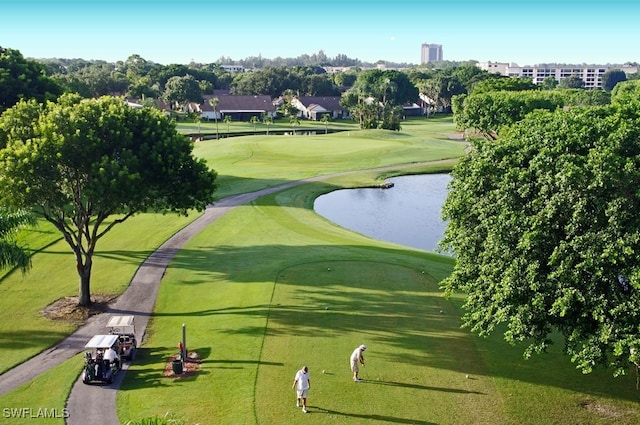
272,286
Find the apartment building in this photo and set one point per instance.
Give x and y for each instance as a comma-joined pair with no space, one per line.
590,74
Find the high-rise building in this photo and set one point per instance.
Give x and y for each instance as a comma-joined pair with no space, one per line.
430,53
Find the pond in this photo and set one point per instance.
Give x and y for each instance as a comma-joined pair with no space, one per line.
409,213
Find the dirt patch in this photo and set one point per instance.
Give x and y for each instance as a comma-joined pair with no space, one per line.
190,366
67,308
602,410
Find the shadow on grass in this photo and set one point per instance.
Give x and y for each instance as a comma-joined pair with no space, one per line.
419,387
383,418
392,300
26,339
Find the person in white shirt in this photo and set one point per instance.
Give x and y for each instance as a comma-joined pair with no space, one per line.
357,357
110,354
302,383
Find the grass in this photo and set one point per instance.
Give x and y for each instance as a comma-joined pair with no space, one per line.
272,286
252,290
25,331
250,163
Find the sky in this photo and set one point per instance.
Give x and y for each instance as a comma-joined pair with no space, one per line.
203,31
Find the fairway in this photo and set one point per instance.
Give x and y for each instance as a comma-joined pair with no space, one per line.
417,356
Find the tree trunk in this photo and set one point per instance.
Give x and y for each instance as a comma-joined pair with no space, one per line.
84,295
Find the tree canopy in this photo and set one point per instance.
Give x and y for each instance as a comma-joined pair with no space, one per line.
612,77
544,225
487,112
79,162
23,79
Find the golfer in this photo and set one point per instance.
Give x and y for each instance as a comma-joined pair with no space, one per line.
302,383
357,357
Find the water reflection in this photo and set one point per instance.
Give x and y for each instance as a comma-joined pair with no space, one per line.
408,214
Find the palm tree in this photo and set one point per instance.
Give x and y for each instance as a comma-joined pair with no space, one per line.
294,121
214,101
12,255
227,119
254,120
267,120
325,120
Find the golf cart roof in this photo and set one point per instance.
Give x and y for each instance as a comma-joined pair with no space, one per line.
120,321
102,341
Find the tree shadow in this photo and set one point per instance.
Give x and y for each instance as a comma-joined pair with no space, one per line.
383,418
419,387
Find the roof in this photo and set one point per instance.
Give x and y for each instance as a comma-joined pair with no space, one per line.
102,341
120,321
245,103
329,103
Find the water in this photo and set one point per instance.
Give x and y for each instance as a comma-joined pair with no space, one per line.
408,214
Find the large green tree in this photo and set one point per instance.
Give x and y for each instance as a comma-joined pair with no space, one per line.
611,78
21,78
544,225
487,112
182,90
87,165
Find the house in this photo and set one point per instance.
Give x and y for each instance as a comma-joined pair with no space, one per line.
412,109
239,108
314,107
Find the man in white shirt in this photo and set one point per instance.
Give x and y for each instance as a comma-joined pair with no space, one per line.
357,357
302,383
111,355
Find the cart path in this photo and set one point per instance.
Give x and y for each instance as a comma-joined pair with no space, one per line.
138,300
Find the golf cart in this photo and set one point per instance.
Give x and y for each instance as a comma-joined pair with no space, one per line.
103,361
123,327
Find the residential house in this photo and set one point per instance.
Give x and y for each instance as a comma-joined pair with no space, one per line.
239,108
314,107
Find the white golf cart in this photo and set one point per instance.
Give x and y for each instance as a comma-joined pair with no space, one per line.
103,361
123,327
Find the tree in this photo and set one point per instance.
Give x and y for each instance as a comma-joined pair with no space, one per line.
182,90
214,102
11,254
294,122
375,95
441,89
254,120
23,79
549,83
626,95
611,78
267,120
325,120
571,82
488,112
544,226
227,120
504,84
88,165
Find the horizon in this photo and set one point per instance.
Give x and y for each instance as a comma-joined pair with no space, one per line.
203,32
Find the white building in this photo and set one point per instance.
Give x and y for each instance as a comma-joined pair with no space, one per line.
590,74
430,53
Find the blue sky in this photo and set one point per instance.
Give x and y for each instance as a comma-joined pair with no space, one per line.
525,33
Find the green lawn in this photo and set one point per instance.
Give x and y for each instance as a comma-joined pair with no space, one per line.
272,286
